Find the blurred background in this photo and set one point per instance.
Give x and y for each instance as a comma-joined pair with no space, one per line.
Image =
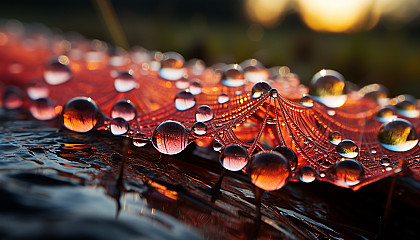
368,41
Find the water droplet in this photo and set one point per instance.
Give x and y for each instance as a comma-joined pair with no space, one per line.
307,174
43,109
199,128
37,89
327,87
331,112
259,89
307,101
407,109
195,87
125,82
57,73
184,100
119,126
140,139
386,114
172,66
217,146
233,76
170,137
223,98
335,137
274,93
123,109
347,149
385,162
347,172
234,157
254,71
373,150
12,98
376,92
196,66
269,170
80,114
289,155
204,113
140,55
398,135
182,83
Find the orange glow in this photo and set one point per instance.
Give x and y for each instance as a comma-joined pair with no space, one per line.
3,39
266,12
92,65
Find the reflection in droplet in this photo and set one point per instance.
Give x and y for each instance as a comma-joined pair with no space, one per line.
80,114
307,101
119,126
12,98
223,98
234,157
347,149
57,73
204,113
37,89
170,137
386,114
407,109
123,109
307,174
184,100
172,66
199,128
217,146
347,172
259,89
125,82
233,76
373,150
289,154
140,139
327,87
269,170
398,135
335,137
43,109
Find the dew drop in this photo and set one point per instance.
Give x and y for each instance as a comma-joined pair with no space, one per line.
331,112
373,150
80,114
233,76
347,172
57,73
123,109
199,128
376,92
170,137
43,109
37,89
254,71
274,93
195,87
119,126
259,89
327,87
307,101
335,137
347,149
289,154
217,146
196,66
125,82
140,139
407,109
12,98
204,113
182,83
233,157
398,135
385,162
269,170
307,174
172,66
184,100
386,114
223,98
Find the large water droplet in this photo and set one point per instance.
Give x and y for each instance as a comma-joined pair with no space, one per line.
172,66
335,137
125,82
327,87
269,170
347,172
57,73
80,114
307,101
12,98
123,109
307,174
37,89
170,137
347,149
386,114
43,109
233,76
234,157
204,113
119,126
259,89
398,135
289,155
140,139
199,128
184,100
223,98
407,109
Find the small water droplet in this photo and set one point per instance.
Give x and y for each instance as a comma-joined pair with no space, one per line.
184,100
269,170
204,113
234,157
335,137
196,66
254,71
307,101
274,93
398,135
347,172
331,112
407,109
376,92
195,87
123,109
289,154
373,150
43,109
327,87
37,89
12,98
223,98
233,76
140,139
386,114
217,146
347,149
125,82
259,89
170,137
307,174
385,162
119,126
80,114
182,83
57,73
199,128
172,66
